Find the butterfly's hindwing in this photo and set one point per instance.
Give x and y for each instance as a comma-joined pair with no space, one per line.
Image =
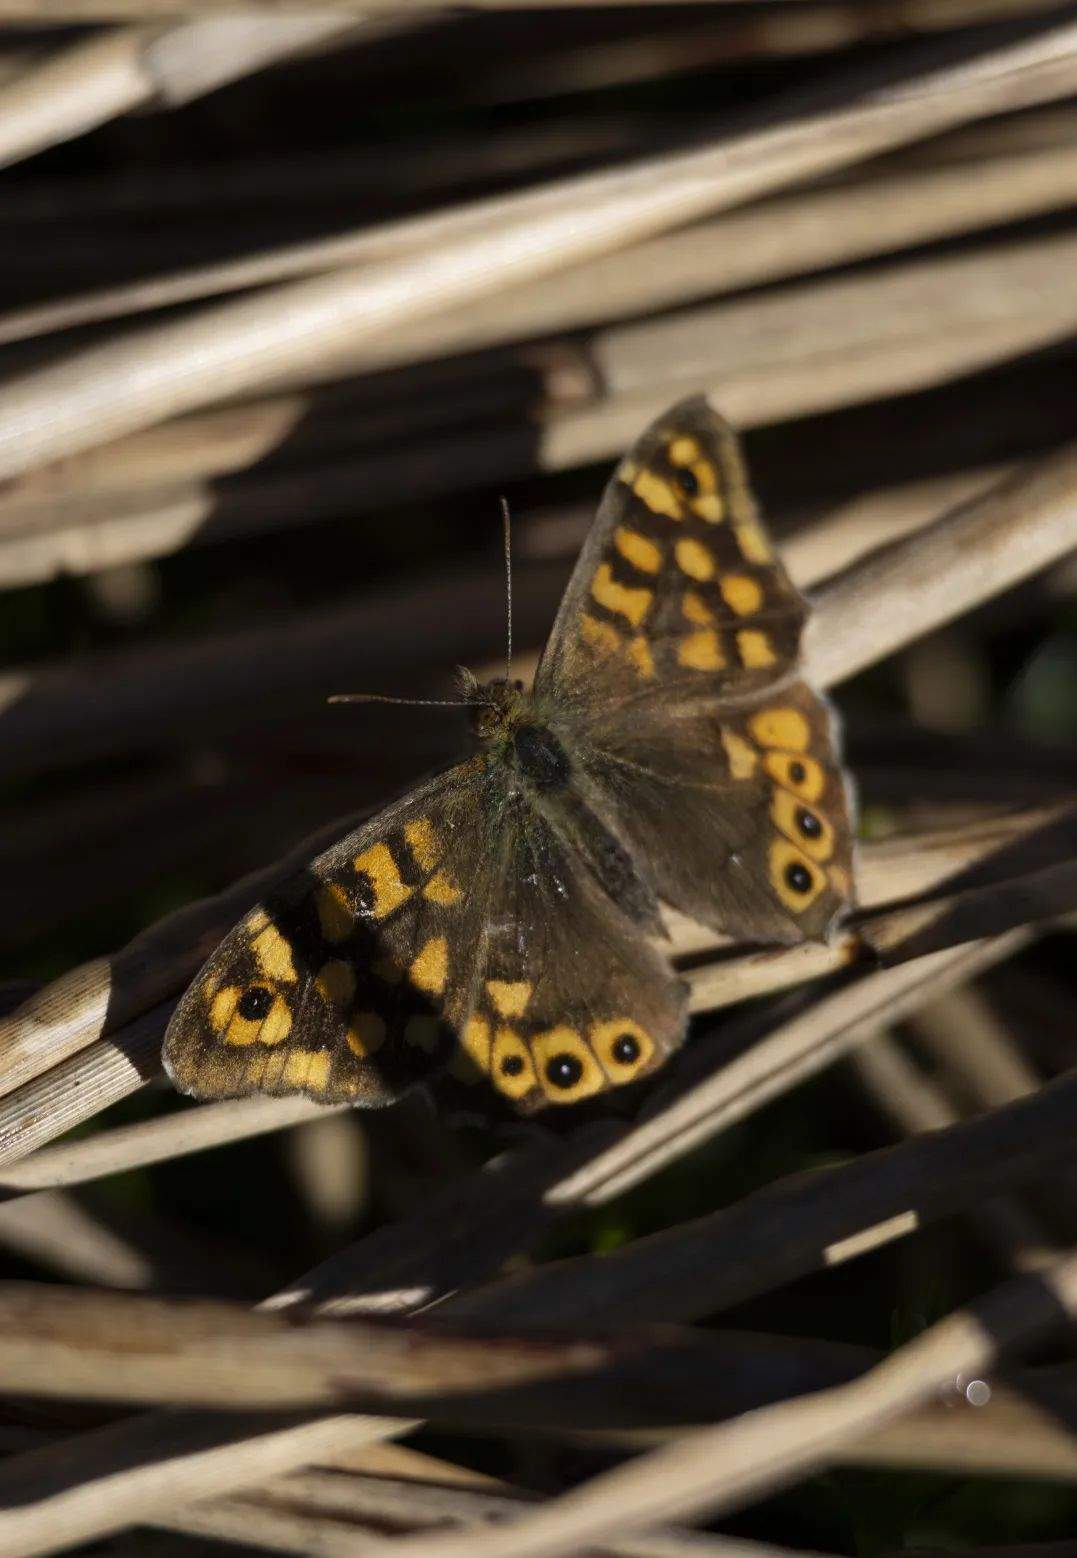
571,997
742,813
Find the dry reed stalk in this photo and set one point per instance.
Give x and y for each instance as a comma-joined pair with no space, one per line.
714,1470
57,1233
86,83
51,12
901,328
785,236
904,1092
233,348
156,1141
793,1226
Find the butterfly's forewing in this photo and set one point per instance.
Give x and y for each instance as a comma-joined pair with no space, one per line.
344,984
674,657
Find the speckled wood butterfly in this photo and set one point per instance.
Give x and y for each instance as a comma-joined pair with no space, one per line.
500,923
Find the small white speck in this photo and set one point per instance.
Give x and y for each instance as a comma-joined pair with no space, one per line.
977,1392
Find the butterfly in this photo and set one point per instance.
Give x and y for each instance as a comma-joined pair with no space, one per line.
500,924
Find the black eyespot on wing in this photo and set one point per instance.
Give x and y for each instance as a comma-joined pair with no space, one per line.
564,1070
797,772
809,823
512,1065
254,1003
798,876
625,1049
687,481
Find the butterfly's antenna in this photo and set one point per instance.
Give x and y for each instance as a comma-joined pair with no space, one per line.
507,525
419,703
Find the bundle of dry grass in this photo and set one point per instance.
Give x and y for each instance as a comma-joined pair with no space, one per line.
289,297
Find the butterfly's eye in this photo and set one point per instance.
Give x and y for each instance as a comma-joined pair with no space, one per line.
809,823
255,1003
512,1065
625,1049
564,1070
687,481
798,877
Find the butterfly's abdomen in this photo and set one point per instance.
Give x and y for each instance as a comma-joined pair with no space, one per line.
541,758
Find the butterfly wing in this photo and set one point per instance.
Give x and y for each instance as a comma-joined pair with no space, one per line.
342,985
460,926
571,997
673,663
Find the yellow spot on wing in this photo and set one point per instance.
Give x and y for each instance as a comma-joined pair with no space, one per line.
710,507
779,727
380,869
682,451
334,912
743,760
604,1035
508,1046
223,1005
335,983
753,544
639,652
803,775
741,593
686,453
306,1068
441,889
509,997
274,955
277,1024
694,560
783,856
756,649
786,811
658,494
423,843
631,603
701,651
696,610
566,1041
638,550
600,635
471,1059
366,1033
430,969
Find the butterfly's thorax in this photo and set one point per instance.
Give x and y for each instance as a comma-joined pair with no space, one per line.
512,729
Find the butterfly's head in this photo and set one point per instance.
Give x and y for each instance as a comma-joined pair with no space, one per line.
499,708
